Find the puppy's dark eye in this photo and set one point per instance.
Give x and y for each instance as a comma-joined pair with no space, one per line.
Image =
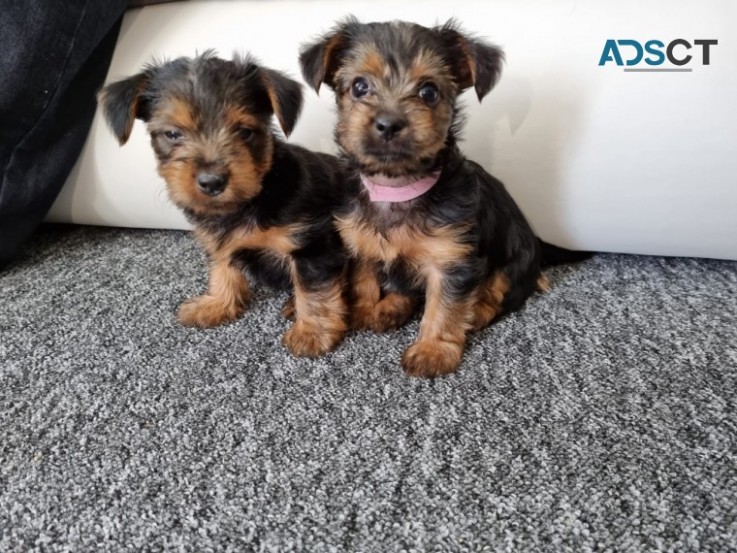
245,133
174,136
429,94
360,87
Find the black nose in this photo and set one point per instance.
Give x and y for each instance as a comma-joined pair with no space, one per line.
211,184
388,125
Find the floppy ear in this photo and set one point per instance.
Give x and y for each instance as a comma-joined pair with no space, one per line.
285,96
122,103
474,62
320,60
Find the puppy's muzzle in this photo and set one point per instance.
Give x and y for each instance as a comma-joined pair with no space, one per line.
388,125
211,184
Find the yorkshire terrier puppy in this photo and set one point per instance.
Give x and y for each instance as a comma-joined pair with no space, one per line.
259,206
419,218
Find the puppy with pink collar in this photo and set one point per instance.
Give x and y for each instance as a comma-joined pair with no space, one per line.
420,220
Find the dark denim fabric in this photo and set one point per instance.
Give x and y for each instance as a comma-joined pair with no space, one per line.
53,57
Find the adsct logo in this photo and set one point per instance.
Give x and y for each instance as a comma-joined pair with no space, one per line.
652,55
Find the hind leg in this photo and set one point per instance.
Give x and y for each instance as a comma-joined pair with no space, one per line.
542,284
372,311
392,311
288,310
490,297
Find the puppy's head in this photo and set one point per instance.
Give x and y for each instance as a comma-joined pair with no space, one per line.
396,86
210,125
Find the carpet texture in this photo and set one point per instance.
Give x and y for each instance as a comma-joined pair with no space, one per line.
601,417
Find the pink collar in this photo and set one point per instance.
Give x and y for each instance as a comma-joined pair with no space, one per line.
398,189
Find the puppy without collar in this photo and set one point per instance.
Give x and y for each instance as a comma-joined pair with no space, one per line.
258,205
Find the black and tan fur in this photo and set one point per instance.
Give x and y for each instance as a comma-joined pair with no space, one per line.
464,246
259,206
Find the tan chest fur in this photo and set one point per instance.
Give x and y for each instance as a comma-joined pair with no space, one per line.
276,240
436,248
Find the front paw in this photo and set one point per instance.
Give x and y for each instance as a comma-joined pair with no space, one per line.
207,311
391,312
306,340
431,358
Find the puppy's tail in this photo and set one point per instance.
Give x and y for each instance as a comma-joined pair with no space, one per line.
555,255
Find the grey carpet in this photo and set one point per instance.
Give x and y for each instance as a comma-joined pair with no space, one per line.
601,417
